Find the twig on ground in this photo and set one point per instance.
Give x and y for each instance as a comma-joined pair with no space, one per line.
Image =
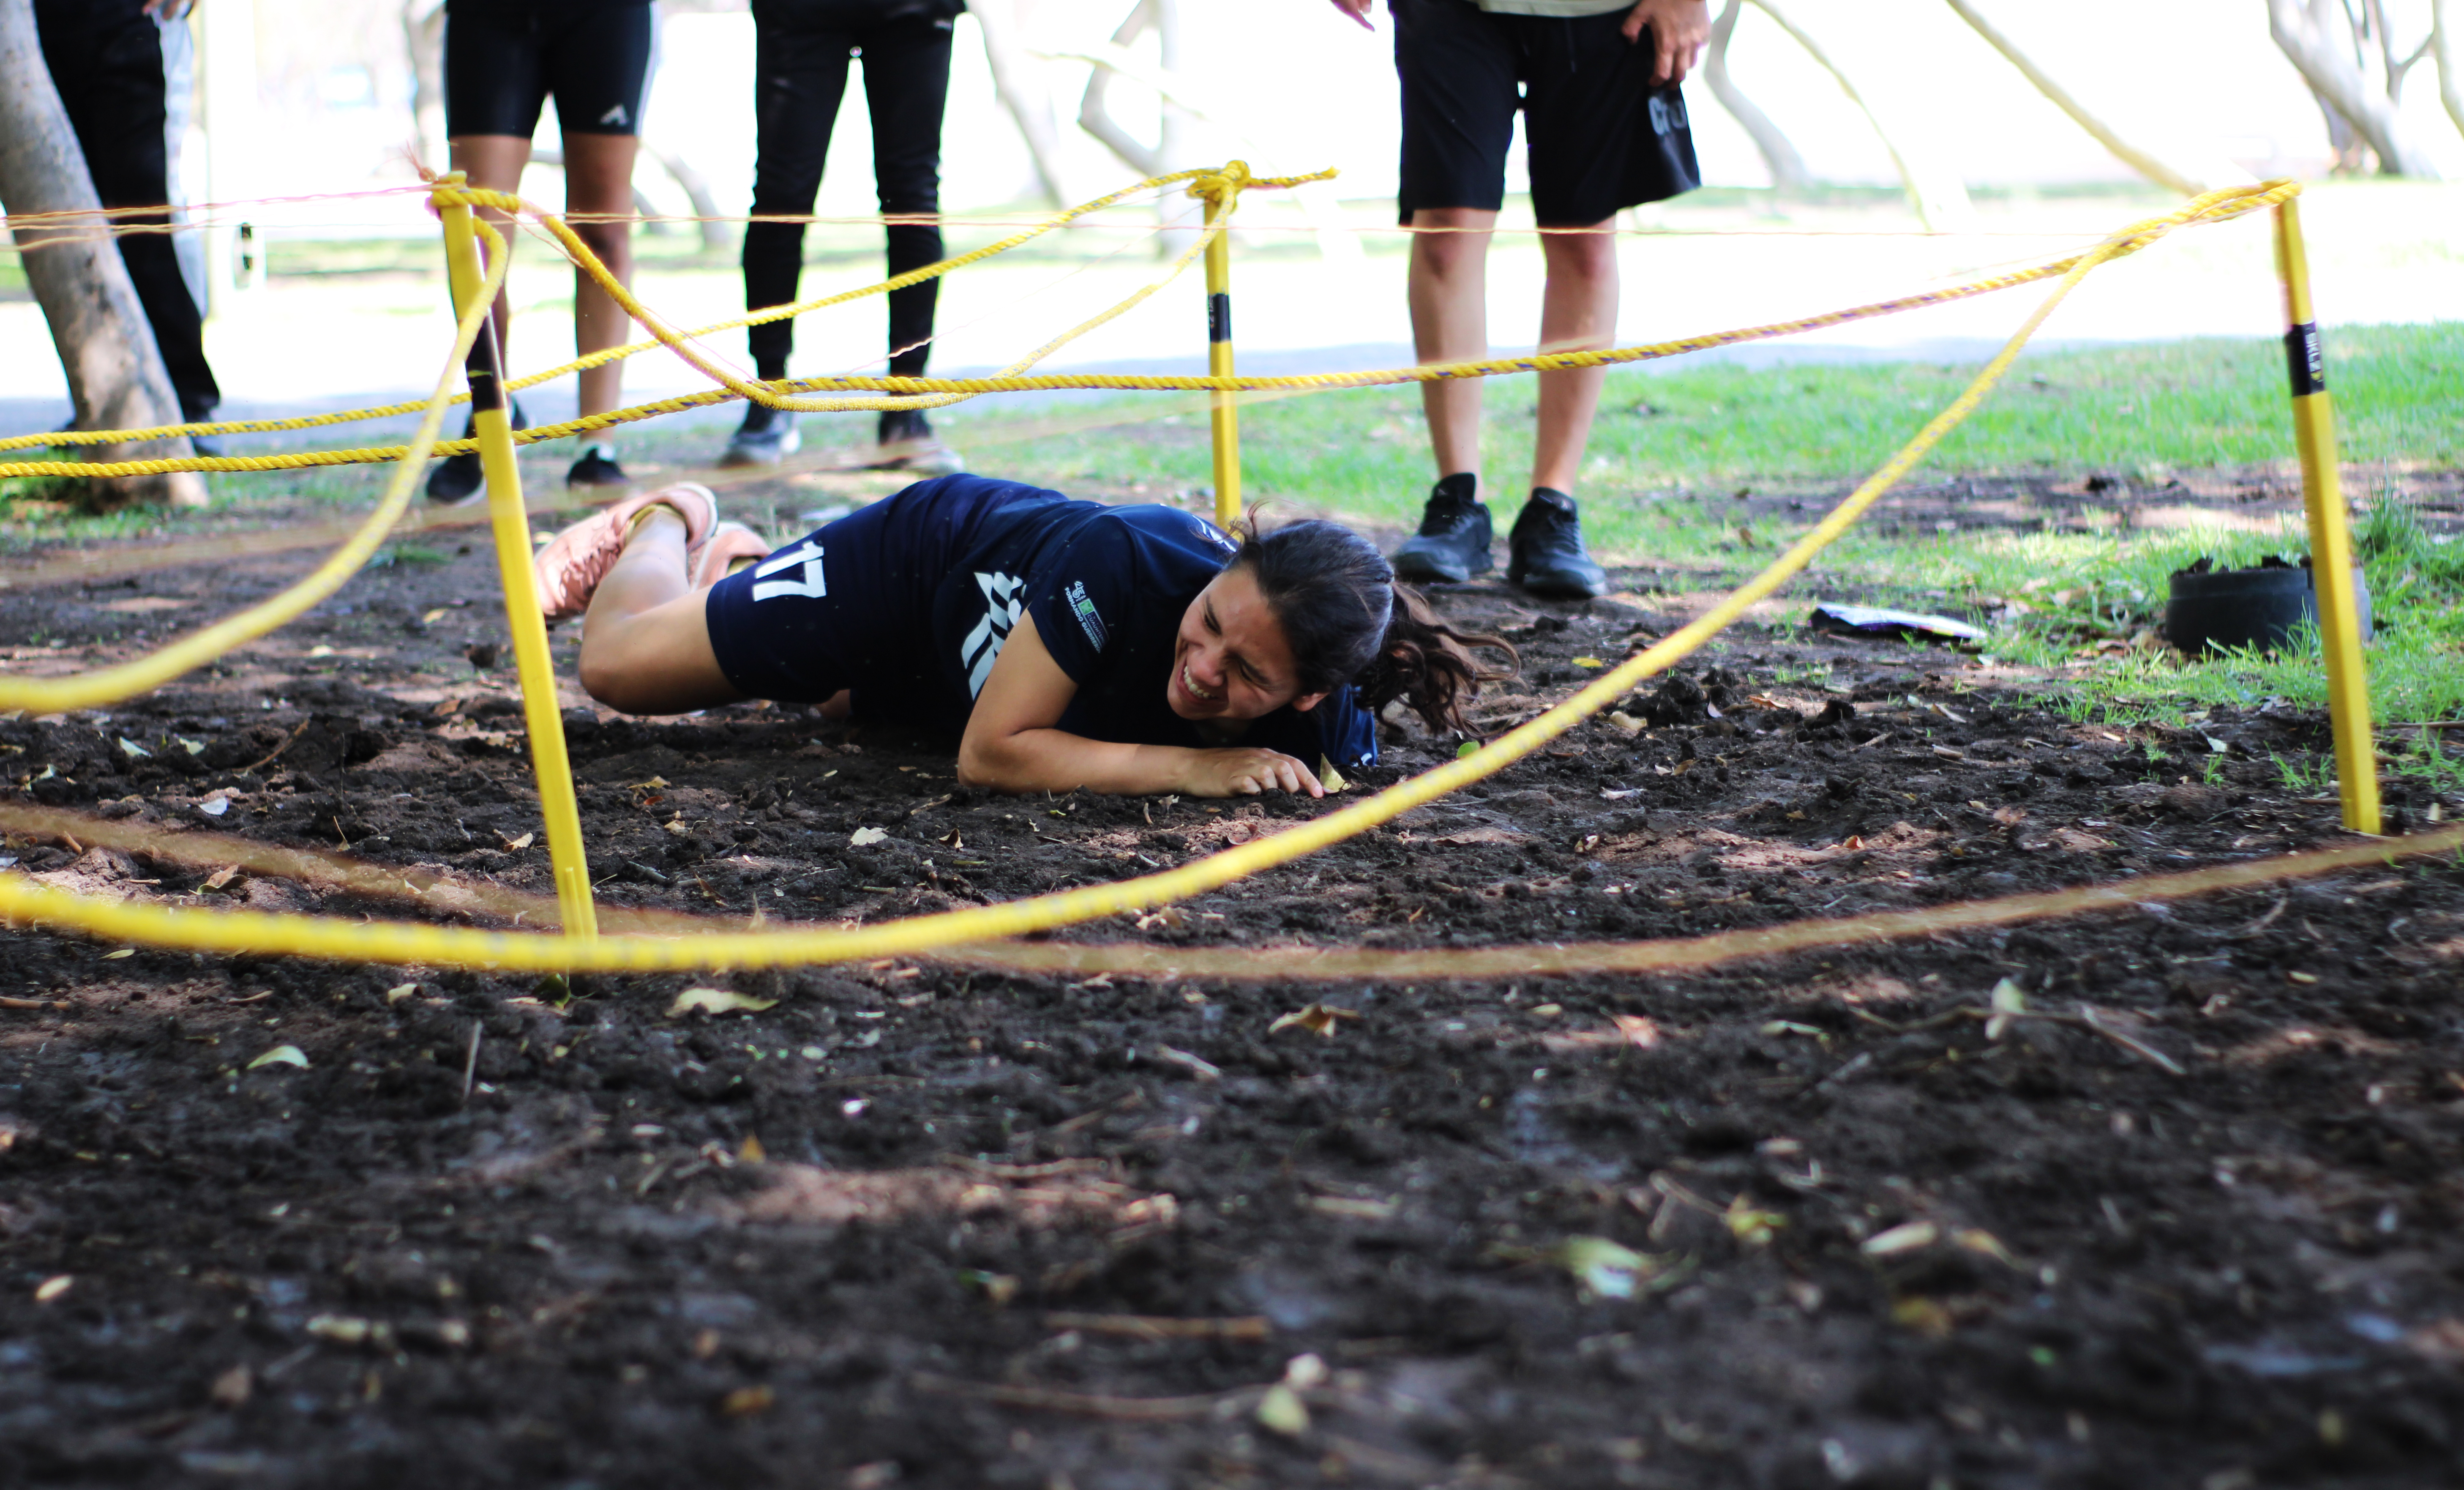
287,742
2086,1019
471,1066
1046,1399
1148,1326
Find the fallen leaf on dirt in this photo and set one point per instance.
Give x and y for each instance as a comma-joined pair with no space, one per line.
1750,1227
1639,1031
1619,793
751,1151
676,825
130,951
281,1055
1852,843
746,1401
193,747
432,616
1587,662
399,991
718,1001
1316,1018
1906,1236
214,807
1471,836
1922,1316
2077,842
52,1288
135,751
517,845
1329,778
1171,917
1986,1244
1604,1268
232,1387
220,878
997,1288
343,1329
2007,1003
654,784
1282,1411
1468,747
1627,724
864,837
1348,1209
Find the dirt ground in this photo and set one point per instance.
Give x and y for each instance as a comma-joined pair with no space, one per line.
2189,1221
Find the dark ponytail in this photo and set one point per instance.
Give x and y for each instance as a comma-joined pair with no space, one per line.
1348,621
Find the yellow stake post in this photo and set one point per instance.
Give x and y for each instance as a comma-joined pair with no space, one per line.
1219,360
493,425
2331,539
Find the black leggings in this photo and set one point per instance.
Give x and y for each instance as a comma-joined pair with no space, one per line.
105,58
801,71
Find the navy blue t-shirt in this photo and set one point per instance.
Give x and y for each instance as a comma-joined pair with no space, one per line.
908,602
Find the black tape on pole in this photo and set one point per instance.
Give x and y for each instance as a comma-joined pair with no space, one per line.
487,357
1218,317
2306,358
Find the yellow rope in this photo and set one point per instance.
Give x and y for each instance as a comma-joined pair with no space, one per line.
595,359
401,942
2219,207
110,685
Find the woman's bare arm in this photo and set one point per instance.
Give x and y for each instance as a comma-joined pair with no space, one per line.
1011,744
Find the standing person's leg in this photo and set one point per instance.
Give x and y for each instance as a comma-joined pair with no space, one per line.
1457,67
800,74
1586,86
1578,310
1448,286
495,82
599,67
906,88
109,73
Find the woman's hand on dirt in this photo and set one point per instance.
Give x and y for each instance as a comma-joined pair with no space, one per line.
1246,772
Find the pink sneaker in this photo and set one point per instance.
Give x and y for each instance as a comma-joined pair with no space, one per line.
730,544
570,567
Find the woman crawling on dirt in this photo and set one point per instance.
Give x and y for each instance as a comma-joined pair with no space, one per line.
1068,644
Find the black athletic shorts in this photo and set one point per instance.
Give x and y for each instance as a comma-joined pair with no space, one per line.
504,58
1597,128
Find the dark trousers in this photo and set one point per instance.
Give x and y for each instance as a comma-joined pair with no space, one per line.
801,72
106,59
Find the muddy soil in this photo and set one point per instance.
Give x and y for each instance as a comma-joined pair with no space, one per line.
914,1225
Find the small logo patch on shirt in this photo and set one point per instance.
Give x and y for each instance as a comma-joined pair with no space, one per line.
1083,608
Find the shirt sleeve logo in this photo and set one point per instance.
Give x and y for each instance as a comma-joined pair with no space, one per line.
813,585
1089,620
1003,600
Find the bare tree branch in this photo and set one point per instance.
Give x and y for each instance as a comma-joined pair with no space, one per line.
2144,162
1033,113
1097,120
1780,158
2450,70
1938,197
2303,34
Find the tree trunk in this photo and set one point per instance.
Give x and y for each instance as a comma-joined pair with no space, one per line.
1097,120
116,375
2306,34
2130,155
423,36
2450,70
1937,196
1780,158
998,20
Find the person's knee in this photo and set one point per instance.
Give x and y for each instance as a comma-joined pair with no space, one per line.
1582,255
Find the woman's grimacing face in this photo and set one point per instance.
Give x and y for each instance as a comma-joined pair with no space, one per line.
1230,660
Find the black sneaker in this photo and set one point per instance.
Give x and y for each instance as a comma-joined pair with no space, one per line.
907,443
457,478
597,467
1452,545
766,437
1544,553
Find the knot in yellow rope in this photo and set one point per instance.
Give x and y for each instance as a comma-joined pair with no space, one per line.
1220,189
